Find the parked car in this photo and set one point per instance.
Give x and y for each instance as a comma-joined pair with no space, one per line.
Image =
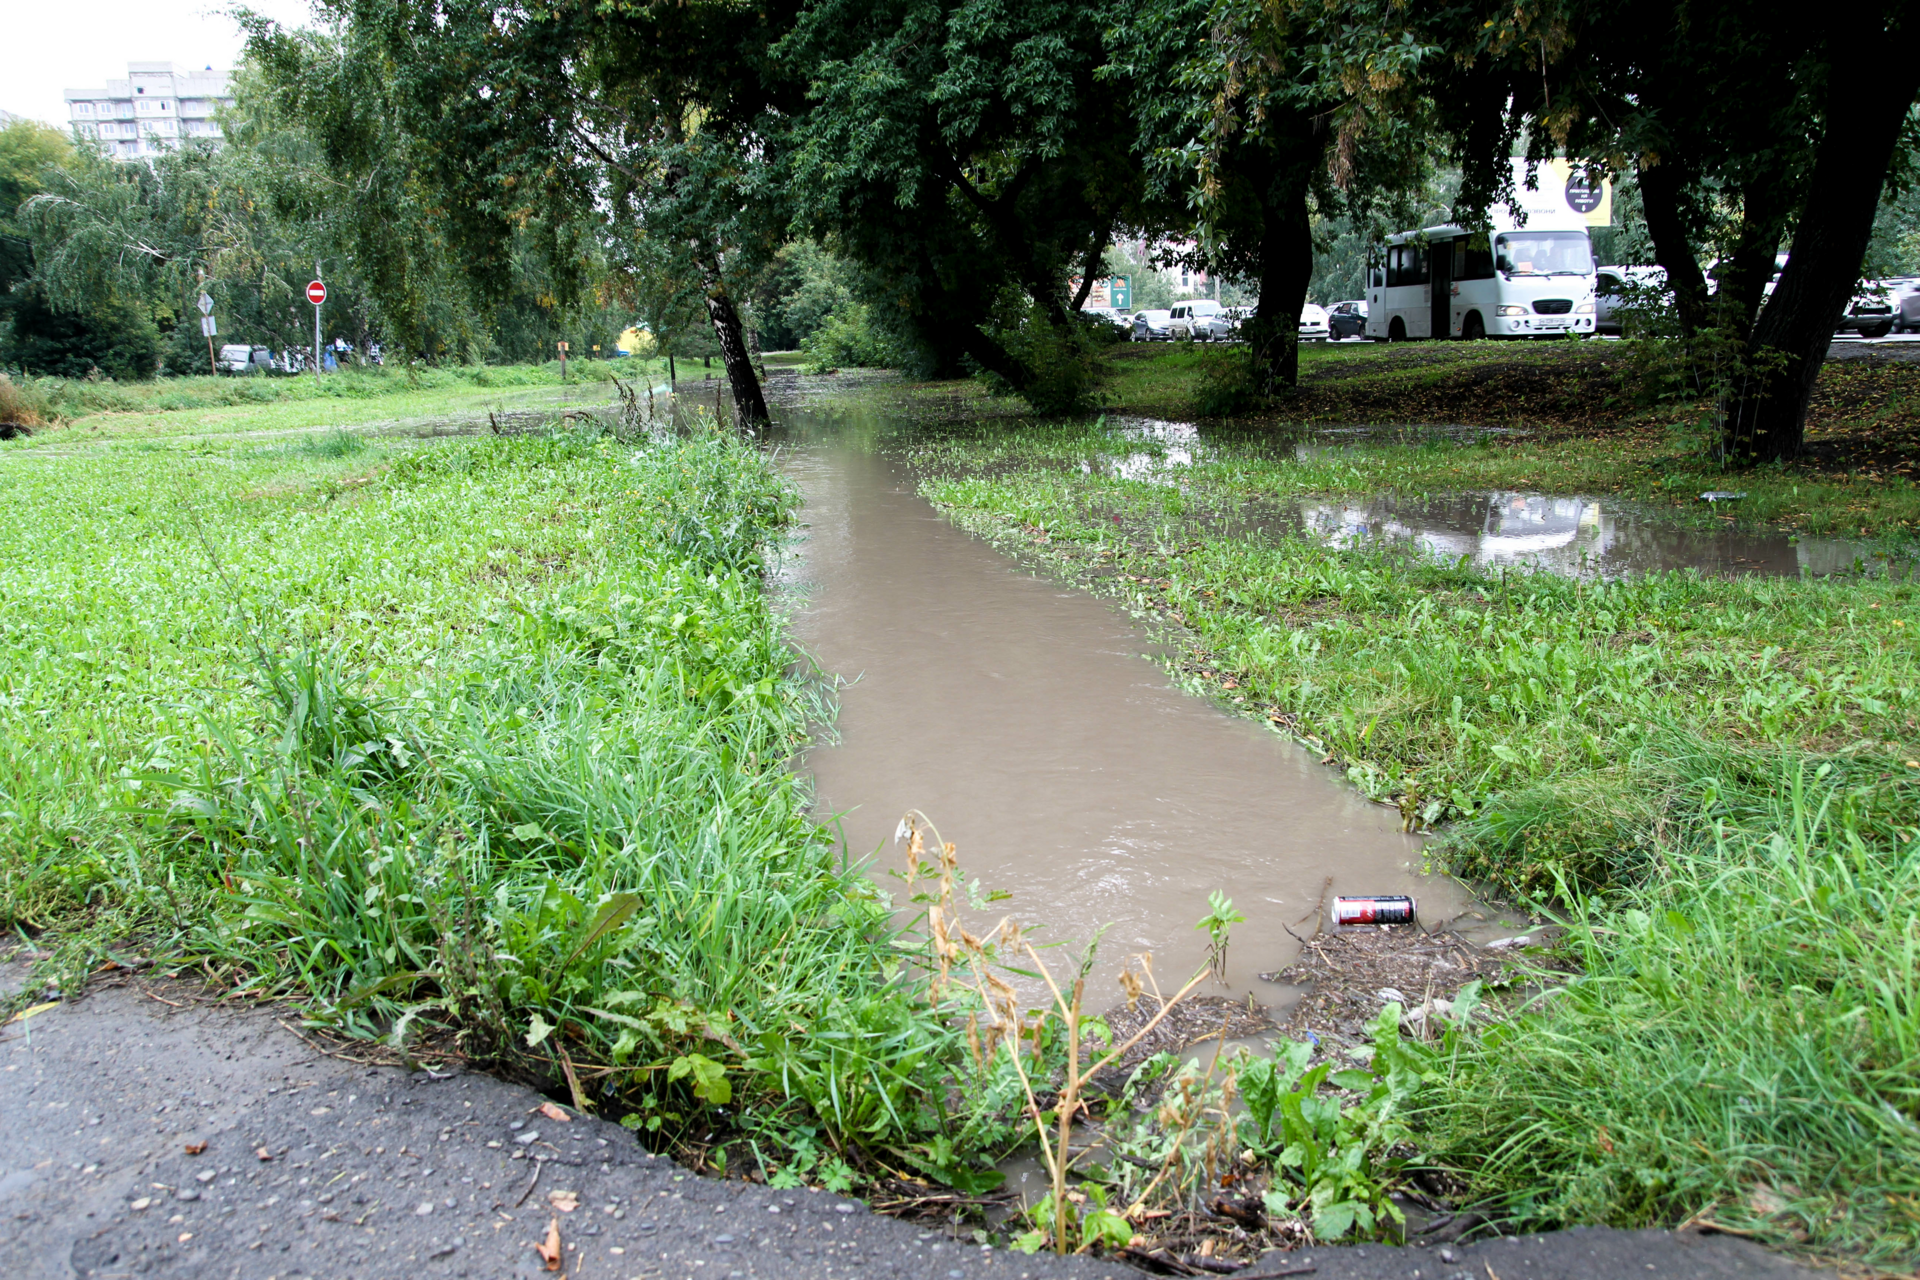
1108,316
1614,287
1221,326
1184,315
1873,312
1313,323
1906,304
239,358
1347,319
1151,326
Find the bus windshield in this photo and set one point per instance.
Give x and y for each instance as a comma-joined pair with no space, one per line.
1543,253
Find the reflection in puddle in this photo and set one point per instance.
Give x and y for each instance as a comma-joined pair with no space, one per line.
1577,536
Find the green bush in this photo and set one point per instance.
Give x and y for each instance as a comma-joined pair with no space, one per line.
848,338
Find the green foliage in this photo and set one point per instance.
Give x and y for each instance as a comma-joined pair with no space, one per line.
848,338
110,338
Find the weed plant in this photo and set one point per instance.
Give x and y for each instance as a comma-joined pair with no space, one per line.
1715,783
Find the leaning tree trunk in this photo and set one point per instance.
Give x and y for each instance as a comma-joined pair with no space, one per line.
1868,98
1286,269
732,336
1661,187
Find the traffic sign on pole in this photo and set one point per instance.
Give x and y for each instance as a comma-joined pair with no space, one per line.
206,304
207,326
316,293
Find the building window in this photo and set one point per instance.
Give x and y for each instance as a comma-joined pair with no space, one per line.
83,108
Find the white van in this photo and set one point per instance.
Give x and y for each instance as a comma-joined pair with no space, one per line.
1529,282
1183,318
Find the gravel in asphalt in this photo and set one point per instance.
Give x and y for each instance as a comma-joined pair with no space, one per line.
139,1139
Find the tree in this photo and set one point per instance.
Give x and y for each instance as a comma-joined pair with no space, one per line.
1745,127
629,134
28,149
1282,111
970,157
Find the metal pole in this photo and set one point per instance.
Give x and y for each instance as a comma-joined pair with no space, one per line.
211,362
316,329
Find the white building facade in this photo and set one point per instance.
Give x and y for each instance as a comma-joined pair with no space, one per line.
150,111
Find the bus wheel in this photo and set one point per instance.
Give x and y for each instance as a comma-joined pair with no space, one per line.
1396,332
1473,328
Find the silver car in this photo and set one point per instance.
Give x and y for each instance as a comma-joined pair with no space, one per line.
1151,326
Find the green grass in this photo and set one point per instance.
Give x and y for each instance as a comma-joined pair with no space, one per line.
1717,783
82,410
485,739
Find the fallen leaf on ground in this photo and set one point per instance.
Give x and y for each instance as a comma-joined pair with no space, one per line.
263,1153
195,1148
550,1251
28,1012
552,1112
564,1201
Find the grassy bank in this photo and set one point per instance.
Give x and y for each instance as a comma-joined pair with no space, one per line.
1716,783
478,746
66,410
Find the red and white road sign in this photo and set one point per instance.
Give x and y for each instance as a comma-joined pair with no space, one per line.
316,293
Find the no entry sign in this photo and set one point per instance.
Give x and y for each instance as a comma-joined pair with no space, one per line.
316,293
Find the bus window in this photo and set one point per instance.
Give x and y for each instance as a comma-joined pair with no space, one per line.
1406,264
1479,264
1459,271
1542,253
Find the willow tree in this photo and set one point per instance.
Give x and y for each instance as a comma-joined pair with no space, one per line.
629,134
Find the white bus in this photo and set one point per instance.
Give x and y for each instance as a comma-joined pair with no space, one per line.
1529,282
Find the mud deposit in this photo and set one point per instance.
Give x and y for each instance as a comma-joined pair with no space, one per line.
1025,719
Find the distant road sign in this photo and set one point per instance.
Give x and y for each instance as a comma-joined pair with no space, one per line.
208,328
316,293
206,304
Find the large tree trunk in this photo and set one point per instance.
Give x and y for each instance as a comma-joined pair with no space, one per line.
1868,98
1661,187
732,336
1286,268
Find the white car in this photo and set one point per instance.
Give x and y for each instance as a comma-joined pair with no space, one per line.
1185,319
1221,326
1313,323
1151,326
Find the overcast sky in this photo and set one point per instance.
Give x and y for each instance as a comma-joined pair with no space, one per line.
52,46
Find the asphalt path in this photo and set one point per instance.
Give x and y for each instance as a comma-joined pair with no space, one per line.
141,1138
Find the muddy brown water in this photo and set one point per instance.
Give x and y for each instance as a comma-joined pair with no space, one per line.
1026,719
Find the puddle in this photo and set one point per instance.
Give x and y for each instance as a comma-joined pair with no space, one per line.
1024,717
1576,536
1571,534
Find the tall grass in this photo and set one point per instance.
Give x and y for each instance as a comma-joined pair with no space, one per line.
351,749
1742,1043
1712,781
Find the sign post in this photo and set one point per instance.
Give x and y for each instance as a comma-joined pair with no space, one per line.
317,295
208,328
563,360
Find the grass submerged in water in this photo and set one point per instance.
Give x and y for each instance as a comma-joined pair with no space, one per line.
1711,781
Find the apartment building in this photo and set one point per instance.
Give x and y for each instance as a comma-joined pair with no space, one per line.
151,110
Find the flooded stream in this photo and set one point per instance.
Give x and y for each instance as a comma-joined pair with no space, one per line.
1025,718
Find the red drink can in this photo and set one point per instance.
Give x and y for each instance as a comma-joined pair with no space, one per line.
1379,909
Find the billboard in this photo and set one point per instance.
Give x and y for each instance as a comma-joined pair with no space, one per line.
1114,291
1562,196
